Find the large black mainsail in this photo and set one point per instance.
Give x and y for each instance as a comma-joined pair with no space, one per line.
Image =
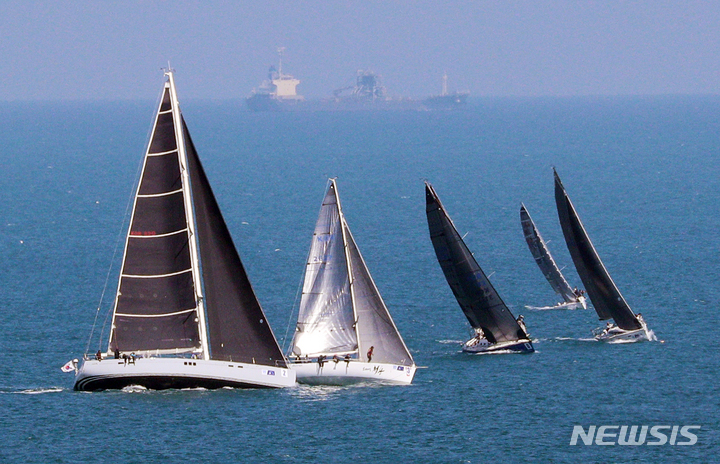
156,307
544,259
478,299
165,304
601,289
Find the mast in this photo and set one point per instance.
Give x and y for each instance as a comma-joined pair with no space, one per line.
349,266
280,51
179,134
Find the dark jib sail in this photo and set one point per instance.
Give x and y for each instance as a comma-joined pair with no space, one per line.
601,289
478,299
237,327
544,259
156,308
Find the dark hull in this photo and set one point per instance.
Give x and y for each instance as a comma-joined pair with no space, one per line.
157,383
446,102
262,102
523,346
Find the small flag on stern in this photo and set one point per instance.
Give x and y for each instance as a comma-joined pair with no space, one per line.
70,366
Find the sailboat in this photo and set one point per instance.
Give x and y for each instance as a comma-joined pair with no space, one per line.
344,332
185,314
572,298
495,328
603,293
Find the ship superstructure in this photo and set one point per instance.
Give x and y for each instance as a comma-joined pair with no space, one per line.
277,90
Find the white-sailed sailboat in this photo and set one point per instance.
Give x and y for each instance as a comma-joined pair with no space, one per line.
604,294
572,298
185,314
344,332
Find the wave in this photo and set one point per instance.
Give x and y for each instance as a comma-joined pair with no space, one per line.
34,391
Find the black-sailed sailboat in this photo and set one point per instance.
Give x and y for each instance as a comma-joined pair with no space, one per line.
604,294
185,314
496,329
344,332
572,297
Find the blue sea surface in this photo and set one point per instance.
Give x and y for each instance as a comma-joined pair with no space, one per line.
643,173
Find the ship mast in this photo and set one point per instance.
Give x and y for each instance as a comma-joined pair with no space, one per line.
180,142
280,51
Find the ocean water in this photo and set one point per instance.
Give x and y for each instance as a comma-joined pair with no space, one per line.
643,174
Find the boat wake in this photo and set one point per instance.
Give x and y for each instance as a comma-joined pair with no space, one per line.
313,393
134,389
571,339
547,308
35,391
451,342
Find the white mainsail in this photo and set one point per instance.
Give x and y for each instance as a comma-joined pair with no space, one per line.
341,310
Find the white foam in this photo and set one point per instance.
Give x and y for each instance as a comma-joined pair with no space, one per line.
133,389
451,342
40,391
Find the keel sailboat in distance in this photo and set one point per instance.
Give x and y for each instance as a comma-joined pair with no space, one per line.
344,332
573,298
603,293
185,314
496,329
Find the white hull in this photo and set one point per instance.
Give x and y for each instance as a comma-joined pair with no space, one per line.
344,373
163,373
580,303
618,335
483,346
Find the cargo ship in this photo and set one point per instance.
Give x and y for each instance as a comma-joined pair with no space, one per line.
276,93
446,101
279,93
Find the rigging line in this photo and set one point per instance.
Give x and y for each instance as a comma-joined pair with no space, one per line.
107,276
148,137
298,294
295,303
115,251
117,246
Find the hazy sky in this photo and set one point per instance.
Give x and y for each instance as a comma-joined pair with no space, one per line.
57,49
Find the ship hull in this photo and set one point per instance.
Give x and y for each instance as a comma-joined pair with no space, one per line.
581,303
178,373
618,335
348,373
446,102
518,346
